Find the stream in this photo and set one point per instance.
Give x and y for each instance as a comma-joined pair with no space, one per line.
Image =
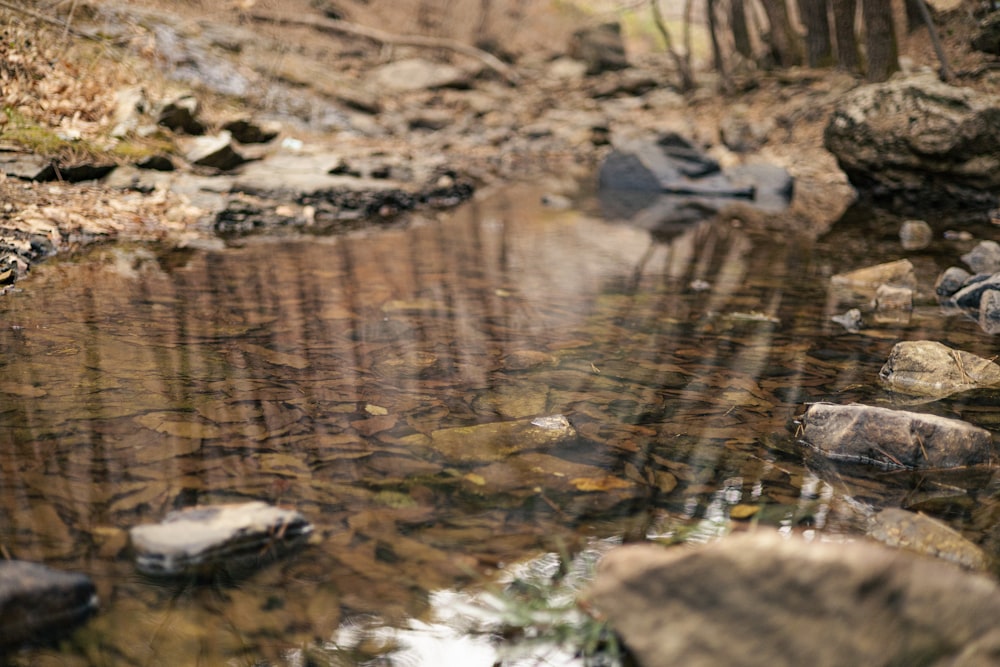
309,372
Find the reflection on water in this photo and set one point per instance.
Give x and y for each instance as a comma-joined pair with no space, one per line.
313,372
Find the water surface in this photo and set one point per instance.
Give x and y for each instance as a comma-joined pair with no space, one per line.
310,371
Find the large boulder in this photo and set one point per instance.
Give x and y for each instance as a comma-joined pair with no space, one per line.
929,142
762,599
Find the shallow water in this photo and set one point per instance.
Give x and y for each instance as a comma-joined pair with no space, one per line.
310,371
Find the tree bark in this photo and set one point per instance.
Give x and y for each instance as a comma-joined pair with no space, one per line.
848,53
783,39
738,24
720,65
880,39
819,48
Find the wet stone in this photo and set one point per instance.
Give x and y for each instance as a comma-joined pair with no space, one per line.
950,281
496,441
894,438
867,279
214,151
931,368
926,535
202,540
893,304
38,603
989,311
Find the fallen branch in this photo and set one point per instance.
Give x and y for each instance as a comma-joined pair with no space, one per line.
375,35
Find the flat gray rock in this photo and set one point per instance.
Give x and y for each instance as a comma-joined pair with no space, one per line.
894,438
201,540
37,602
760,599
930,368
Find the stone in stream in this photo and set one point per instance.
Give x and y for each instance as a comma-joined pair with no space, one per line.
868,279
215,151
199,541
925,535
761,599
894,438
984,258
38,603
950,281
495,441
989,311
930,368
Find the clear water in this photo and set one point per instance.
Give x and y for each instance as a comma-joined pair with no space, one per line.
308,372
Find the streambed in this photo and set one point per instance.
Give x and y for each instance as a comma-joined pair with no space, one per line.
312,372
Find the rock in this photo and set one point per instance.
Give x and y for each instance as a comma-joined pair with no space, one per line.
181,115
969,295
495,441
670,182
984,258
247,131
893,304
924,535
600,47
850,320
742,134
894,438
37,603
199,541
130,106
950,281
26,166
157,163
214,151
930,368
868,279
759,599
920,138
987,37
989,311
419,74
915,235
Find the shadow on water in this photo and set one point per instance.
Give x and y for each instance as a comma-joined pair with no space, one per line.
316,372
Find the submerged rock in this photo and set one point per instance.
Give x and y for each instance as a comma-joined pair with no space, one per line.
495,441
925,535
894,438
760,599
930,368
920,138
201,540
38,603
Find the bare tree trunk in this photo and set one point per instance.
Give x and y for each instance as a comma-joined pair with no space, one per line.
880,39
914,17
683,68
720,65
848,54
783,39
738,24
819,48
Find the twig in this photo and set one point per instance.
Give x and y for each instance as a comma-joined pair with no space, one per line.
946,74
375,35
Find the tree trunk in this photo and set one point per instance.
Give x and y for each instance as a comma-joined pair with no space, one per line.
720,65
784,41
848,54
880,39
914,15
738,24
819,49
